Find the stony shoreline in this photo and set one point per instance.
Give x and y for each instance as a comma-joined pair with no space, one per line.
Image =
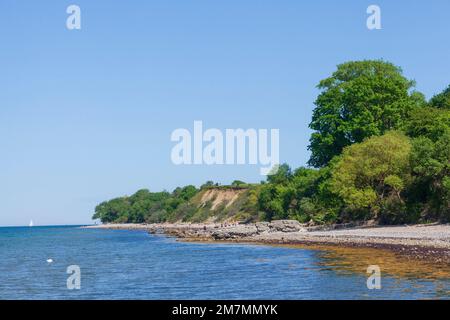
430,243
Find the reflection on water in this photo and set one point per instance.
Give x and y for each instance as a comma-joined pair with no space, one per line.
349,259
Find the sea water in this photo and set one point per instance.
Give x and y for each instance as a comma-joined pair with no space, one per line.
119,264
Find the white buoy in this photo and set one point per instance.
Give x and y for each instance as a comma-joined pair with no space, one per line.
49,260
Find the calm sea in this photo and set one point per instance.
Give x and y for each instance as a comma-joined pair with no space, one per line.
136,265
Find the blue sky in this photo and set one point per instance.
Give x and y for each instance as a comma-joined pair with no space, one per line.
86,115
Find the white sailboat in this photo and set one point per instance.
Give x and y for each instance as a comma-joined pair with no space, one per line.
31,223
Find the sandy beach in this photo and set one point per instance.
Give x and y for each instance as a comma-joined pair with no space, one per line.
424,242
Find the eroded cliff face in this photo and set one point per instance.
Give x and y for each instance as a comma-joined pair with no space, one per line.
220,197
221,204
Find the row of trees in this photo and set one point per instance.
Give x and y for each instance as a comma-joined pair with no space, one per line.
381,151
144,206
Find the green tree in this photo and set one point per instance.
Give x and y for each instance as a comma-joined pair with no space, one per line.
370,176
275,200
441,100
140,195
305,205
430,163
280,174
305,182
359,100
185,193
428,122
113,210
207,184
237,183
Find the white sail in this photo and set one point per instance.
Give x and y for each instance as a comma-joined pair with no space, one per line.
31,223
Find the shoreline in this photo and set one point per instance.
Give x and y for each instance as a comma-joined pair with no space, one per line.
428,243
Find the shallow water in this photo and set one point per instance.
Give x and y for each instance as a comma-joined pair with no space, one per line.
135,265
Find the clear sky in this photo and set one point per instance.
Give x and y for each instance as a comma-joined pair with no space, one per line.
86,115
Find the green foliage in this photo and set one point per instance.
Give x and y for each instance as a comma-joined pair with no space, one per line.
395,182
370,172
113,210
185,193
359,100
143,206
249,211
274,200
430,162
428,122
237,183
208,184
302,195
280,174
441,100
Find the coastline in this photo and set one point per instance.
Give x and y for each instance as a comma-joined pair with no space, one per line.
428,243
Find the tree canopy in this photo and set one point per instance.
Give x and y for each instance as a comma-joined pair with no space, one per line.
428,122
369,173
430,163
441,100
144,206
359,100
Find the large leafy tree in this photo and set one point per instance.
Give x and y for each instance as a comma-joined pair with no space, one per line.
371,175
359,100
